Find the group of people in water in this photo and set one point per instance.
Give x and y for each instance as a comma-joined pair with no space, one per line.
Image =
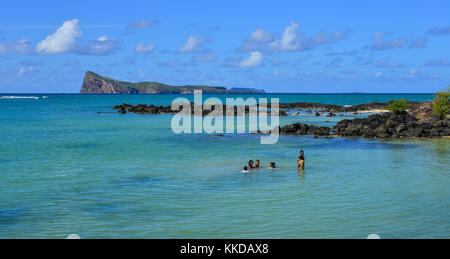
256,165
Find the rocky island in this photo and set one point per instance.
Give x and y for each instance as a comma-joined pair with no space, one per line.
96,84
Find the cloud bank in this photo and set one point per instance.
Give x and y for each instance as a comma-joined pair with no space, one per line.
20,47
64,40
291,40
379,43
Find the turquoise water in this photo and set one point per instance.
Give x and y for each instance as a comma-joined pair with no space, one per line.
66,169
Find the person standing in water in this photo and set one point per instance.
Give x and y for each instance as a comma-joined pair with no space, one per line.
301,161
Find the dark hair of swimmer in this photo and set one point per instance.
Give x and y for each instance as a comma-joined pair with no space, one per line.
245,168
257,164
250,164
272,165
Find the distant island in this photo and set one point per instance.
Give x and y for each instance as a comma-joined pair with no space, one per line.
96,84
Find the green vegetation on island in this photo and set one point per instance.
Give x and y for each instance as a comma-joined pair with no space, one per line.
441,104
398,106
96,84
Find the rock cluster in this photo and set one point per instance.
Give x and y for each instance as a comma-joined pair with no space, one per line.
152,109
304,129
392,125
423,111
144,109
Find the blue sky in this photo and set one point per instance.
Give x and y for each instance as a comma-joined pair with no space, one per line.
278,46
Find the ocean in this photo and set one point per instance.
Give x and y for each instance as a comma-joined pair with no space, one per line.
69,164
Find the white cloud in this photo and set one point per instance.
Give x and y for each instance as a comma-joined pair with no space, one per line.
257,41
62,41
254,60
25,70
193,44
378,74
20,47
141,48
290,40
260,35
102,46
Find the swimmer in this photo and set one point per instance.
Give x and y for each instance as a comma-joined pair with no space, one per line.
257,164
250,164
301,161
245,170
272,165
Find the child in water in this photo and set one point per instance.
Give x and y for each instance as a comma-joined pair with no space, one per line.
245,171
272,165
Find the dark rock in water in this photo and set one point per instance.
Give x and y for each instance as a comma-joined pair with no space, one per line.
331,114
283,113
317,114
226,110
304,129
392,125
122,110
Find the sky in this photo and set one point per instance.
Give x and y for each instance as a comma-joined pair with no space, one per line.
278,46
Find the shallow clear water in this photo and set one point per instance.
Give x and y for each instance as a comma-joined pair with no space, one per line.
66,169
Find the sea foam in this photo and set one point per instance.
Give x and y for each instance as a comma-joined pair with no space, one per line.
19,97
